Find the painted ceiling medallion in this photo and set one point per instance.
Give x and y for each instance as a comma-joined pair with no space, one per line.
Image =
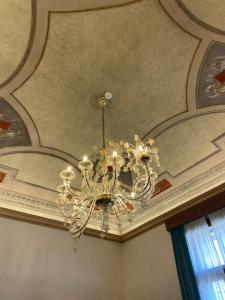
212,77
216,78
102,190
13,132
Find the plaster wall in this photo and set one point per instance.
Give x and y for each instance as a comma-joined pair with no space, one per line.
149,267
38,263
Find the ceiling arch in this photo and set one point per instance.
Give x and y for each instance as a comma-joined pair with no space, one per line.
208,13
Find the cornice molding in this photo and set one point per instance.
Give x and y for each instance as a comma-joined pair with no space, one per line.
188,191
164,205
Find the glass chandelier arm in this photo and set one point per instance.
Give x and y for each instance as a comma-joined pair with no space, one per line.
77,197
147,186
62,210
65,201
64,213
83,208
140,196
149,179
87,180
114,179
123,205
88,218
116,213
143,193
72,192
125,209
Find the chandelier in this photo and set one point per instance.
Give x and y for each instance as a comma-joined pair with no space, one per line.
102,189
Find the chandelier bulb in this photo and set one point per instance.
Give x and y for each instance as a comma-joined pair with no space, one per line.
85,158
108,95
69,168
114,154
132,194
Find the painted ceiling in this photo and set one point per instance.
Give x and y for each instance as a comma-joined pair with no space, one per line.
164,63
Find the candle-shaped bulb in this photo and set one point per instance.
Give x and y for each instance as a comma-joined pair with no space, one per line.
132,194
114,153
69,168
85,158
140,148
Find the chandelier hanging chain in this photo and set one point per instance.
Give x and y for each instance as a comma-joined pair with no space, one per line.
102,192
103,126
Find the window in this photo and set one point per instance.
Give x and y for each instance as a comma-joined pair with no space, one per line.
206,243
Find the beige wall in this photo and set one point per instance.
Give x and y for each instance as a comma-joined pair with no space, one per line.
149,267
38,263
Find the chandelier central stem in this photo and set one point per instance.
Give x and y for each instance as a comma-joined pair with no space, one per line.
103,101
103,126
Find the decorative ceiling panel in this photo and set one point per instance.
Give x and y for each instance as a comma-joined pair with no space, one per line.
91,52
210,12
39,169
15,23
188,143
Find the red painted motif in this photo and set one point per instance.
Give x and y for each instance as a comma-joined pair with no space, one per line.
2,176
161,186
220,77
4,125
130,206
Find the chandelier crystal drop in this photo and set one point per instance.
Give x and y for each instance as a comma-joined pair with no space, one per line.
102,190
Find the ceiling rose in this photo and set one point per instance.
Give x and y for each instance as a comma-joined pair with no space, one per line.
102,189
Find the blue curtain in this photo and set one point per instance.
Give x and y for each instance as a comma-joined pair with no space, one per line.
185,271
207,255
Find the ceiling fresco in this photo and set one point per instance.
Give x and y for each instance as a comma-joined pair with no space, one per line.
211,83
164,63
13,132
128,65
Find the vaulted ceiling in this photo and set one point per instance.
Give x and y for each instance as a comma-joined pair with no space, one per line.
164,63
